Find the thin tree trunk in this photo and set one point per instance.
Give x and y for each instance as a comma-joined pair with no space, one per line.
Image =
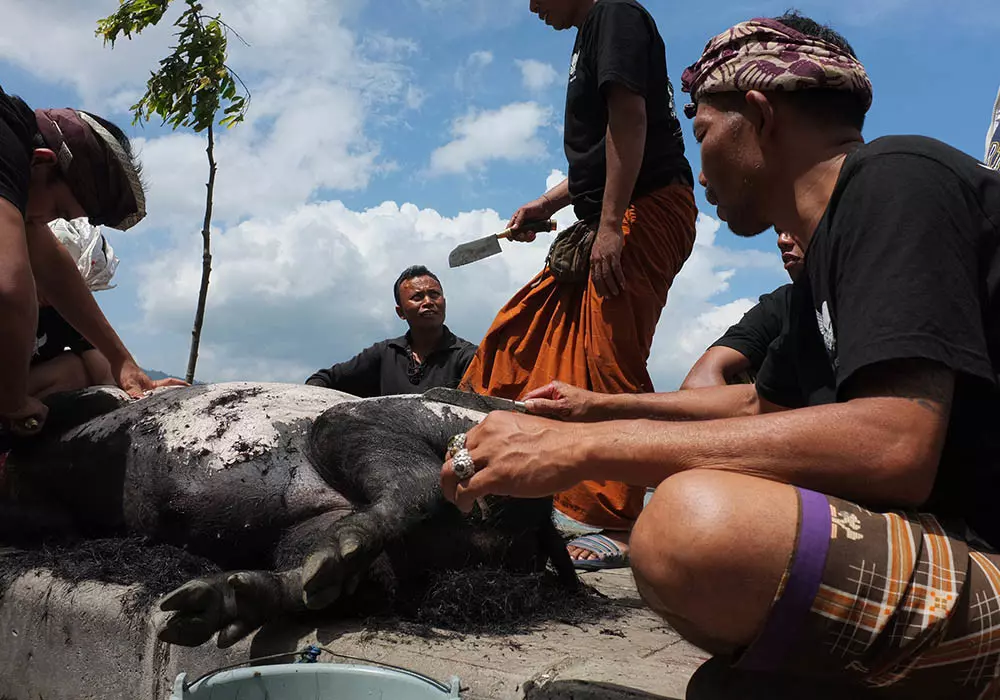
206,259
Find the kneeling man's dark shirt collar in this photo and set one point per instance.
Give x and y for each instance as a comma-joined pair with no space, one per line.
388,368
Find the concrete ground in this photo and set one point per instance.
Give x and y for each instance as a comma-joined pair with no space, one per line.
74,642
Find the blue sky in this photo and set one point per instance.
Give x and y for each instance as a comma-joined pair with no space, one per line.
384,133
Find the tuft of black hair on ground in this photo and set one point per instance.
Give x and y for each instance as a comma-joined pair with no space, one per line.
157,568
497,602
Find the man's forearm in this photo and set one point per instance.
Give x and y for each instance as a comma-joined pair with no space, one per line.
624,148
63,286
861,450
708,403
716,367
558,197
18,311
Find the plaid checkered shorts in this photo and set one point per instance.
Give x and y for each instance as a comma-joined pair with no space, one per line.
905,602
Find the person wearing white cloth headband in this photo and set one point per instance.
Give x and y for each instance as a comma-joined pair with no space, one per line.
57,163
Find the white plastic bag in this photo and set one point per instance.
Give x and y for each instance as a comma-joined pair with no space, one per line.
94,256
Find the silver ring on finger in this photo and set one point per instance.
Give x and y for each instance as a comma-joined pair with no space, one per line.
463,465
455,443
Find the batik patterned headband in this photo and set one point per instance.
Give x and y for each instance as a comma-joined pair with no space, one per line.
764,54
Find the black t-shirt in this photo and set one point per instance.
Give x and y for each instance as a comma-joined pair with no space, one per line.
619,43
17,132
906,264
387,368
759,327
55,336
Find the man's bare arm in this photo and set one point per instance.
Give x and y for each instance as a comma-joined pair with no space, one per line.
625,146
18,310
881,446
716,367
565,402
558,197
63,286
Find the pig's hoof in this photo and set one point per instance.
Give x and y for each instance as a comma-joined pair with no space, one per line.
233,604
334,570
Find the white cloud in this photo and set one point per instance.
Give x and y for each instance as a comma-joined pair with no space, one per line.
509,133
389,48
71,55
274,161
469,74
296,292
480,59
317,94
536,75
694,317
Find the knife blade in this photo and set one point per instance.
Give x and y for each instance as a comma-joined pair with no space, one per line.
468,399
487,246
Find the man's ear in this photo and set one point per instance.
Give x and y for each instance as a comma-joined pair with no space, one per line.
44,156
399,312
760,112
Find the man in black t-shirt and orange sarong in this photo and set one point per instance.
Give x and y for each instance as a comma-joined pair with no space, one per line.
630,184
820,549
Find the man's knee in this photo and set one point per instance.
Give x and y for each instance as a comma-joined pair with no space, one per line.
710,549
684,526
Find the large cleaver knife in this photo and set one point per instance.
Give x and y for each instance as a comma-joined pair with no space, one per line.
490,245
467,399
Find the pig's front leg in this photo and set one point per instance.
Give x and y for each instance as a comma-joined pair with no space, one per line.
353,543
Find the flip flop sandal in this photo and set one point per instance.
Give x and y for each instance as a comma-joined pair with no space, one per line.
610,552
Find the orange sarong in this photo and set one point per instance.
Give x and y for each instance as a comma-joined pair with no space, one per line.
549,331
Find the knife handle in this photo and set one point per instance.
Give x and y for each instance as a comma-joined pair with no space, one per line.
538,226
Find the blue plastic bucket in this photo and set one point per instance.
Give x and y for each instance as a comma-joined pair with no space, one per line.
315,681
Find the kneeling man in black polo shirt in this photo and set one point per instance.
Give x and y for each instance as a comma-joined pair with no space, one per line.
428,356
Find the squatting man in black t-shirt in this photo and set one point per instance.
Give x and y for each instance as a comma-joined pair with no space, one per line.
737,356
849,542
57,164
428,355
